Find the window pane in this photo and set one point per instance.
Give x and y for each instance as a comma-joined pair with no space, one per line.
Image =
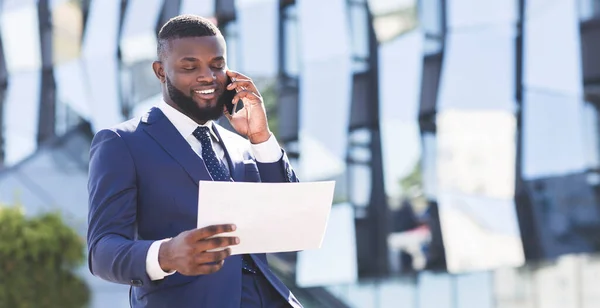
360,31
552,69
67,22
478,69
434,291
400,77
553,136
429,168
393,17
100,63
334,263
470,13
138,37
360,184
588,9
72,88
20,116
232,37
430,16
291,42
399,88
476,177
326,87
258,61
204,8
19,28
475,290
316,41
591,140
432,46
322,151
476,153
102,29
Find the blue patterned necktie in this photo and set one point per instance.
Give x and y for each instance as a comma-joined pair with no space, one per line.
219,173
214,165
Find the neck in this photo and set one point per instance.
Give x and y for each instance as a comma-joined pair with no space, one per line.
187,114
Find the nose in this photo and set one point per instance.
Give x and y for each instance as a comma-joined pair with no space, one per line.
206,76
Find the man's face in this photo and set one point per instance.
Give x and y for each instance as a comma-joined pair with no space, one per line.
193,71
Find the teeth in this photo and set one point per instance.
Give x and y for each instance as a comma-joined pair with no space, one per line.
206,91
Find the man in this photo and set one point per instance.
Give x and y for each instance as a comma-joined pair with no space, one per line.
144,176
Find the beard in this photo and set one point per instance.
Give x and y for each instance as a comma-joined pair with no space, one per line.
188,106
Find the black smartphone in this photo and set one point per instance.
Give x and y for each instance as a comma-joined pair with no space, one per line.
227,97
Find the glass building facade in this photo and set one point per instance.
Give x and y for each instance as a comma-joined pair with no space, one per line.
463,135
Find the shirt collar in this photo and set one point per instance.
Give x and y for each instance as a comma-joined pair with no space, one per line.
183,123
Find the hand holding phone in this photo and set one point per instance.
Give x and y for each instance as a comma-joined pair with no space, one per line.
227,97
251,119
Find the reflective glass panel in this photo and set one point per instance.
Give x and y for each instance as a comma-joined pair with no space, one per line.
552,69
19,28
476,176
20,116
67,22
478,70
138,37
258,61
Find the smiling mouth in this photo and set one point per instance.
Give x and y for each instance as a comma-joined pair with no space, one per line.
206,95
209,91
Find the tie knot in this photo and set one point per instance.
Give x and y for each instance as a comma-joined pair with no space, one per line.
202,132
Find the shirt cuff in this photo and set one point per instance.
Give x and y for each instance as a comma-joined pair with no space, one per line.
268,151
153,268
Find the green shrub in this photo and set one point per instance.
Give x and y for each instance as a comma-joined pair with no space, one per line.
38,259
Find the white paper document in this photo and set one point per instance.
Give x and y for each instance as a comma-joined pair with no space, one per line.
270,217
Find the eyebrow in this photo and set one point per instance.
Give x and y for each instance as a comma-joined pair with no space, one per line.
192,59
189,59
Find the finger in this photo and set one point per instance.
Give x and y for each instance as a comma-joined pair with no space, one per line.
247,94
241,84
212,257
206,232
226,112
217,242
236,75
205,269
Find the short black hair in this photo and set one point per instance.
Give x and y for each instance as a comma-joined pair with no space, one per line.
181,26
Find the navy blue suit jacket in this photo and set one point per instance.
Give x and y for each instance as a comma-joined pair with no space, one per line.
143,186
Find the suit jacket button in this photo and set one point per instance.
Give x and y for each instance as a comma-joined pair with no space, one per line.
137,283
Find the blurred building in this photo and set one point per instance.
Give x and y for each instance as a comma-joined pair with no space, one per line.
463,134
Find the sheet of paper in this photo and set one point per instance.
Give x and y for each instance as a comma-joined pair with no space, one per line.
270,217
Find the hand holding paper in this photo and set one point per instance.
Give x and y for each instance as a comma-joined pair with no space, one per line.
197,252
270,217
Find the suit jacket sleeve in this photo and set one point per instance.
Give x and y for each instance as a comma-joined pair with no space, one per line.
277,172
114,253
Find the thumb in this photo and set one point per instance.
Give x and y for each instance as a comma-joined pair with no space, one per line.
226,113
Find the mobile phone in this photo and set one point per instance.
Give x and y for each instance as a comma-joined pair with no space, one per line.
227,97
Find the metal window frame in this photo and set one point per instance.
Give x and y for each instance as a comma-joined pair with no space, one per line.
3,88
47,98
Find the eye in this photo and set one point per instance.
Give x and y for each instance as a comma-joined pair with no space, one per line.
219,64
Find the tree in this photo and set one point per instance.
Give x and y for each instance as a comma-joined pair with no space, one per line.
268,91
414,180
38,258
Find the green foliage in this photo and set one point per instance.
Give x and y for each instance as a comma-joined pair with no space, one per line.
269,94
38,257
413,179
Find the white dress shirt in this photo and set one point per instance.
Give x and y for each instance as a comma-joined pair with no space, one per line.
266,152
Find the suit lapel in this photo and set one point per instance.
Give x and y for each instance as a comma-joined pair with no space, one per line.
234,157
167,136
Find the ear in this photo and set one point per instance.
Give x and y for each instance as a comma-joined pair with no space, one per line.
159,71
